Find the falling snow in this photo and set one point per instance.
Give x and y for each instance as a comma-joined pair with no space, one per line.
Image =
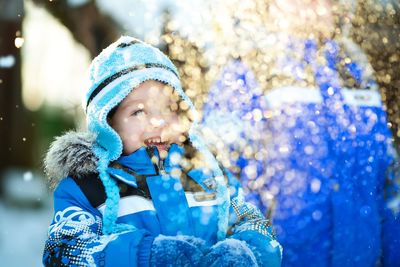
299,99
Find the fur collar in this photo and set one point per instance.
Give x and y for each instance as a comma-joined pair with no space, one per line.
70,155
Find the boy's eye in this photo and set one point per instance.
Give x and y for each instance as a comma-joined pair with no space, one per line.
138,112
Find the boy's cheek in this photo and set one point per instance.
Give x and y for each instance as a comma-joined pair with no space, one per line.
130,139
184,124
178,128
131,143
174,135
178,133
179,139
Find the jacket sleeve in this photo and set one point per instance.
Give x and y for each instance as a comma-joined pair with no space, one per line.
75,236
248,224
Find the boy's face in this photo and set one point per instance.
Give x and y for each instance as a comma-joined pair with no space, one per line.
148,116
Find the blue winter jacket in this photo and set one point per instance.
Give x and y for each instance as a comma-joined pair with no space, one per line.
155,202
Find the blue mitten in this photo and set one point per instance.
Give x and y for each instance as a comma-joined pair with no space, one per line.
229,252
176,251
195,241
266,250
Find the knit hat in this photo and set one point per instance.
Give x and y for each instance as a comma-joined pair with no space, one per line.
113,74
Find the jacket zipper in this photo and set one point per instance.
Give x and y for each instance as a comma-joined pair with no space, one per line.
159,164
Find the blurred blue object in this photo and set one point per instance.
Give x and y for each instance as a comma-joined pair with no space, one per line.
326,165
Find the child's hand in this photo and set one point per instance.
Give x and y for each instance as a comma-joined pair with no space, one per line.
229,252
177,251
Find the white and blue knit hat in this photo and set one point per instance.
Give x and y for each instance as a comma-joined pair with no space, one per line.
114,73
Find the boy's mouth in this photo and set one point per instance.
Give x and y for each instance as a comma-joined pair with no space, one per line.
156,142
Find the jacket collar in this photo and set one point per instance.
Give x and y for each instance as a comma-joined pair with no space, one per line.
146,162
72,155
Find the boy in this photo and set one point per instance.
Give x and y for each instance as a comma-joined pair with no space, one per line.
140,188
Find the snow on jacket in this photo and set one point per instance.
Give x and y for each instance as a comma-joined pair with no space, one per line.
154,201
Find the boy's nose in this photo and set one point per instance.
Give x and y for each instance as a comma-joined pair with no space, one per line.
156,122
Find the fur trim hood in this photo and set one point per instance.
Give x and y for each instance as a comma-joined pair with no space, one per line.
70,155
